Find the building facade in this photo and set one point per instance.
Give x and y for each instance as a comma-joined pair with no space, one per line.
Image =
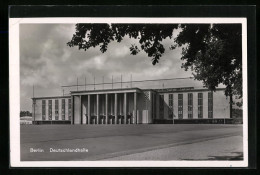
132,106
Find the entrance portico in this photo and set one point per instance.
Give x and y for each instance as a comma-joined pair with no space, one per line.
113,106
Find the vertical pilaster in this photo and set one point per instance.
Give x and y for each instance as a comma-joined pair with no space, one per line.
84,109
125,107
106,113
97,108
89,109
80,109
111,107
72,110
115,108
120,103
135,108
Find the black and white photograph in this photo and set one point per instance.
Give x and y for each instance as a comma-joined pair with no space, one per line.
120,92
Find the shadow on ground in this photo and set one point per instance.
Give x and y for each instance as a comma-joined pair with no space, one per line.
234,156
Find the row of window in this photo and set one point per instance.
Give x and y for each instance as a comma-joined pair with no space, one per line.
56,109
161,107
190,105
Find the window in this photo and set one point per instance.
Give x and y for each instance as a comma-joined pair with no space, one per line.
63,109
56,109
69,109
50,109
161,106
180,106
190,105
170,105
210,105
200,105
43,110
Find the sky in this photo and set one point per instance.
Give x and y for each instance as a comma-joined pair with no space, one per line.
47,63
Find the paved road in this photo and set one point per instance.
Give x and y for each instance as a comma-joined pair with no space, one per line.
112,141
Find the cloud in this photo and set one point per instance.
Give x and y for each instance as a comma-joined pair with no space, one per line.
48,63
121,52
96,62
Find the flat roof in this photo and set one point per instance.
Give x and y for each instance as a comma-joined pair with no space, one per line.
167,90
67,96
129,90
101,91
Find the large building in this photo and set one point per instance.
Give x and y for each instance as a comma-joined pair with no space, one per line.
133,106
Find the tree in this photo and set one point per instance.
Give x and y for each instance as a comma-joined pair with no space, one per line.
25,113
212,51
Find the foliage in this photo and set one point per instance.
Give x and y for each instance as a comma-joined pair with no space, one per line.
25,113
212,51
150,37
237,113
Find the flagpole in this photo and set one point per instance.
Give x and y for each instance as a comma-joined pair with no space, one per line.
121,81
77,84
94,84
85,83
131,80
103,82
33,105
112,81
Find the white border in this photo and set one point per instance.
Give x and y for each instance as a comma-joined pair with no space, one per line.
14,83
